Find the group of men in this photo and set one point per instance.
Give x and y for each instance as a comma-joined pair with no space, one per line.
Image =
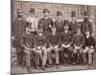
46,42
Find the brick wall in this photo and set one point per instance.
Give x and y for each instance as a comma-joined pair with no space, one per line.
53,7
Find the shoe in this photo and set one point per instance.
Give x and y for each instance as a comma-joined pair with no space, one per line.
43,67
29,70
57,66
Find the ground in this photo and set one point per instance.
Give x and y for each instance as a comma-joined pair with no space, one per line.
17,69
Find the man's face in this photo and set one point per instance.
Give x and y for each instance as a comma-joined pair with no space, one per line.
27,31
87,33
78,31
66,27
73,19
59,17
45,14
40,31
53,30
85,18
19,15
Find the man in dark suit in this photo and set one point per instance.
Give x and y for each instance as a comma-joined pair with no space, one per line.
18,27
66,44
86,24
53,45
73,23
41,46
59,23
46,22
78,43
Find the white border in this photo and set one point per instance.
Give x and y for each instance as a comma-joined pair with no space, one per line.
5,37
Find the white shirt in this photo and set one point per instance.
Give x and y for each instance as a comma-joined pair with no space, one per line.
34,22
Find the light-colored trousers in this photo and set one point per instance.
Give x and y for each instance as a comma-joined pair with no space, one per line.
43,55
90,52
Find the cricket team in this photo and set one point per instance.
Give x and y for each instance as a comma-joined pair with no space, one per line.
45,43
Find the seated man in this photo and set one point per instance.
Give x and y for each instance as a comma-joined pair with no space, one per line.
53,43
89,48
26,42
40,46
66,48
78,43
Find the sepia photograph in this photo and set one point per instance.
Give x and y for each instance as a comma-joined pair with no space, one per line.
52,37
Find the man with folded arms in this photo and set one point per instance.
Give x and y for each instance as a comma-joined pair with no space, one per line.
66,42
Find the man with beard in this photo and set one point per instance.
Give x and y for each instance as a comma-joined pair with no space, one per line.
18,28
46,22
86,24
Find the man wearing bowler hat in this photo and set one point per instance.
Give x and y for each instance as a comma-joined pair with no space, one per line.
73,23
46,22
86,24
18,28
59,23
32,19
66,44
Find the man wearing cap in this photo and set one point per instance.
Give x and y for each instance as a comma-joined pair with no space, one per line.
73,23
46,22
86,24
40,46
89,48
59,23
18,28
32,19
78,43
27,43
53,43
66,44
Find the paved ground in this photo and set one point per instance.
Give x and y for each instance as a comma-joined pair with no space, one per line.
17,69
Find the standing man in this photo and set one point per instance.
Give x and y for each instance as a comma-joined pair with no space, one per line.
53,43
86,24
18,29
66,45
32,19
46,22
73,23
40,46
59,23
89,48
78,43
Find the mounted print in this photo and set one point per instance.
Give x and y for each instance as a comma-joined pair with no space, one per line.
51,37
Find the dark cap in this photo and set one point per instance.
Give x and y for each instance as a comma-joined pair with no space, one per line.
73,14
45,10
19,11
66,23
59,13
86,13
32,11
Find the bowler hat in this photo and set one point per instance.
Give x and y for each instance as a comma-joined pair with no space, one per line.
45,10
59,13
